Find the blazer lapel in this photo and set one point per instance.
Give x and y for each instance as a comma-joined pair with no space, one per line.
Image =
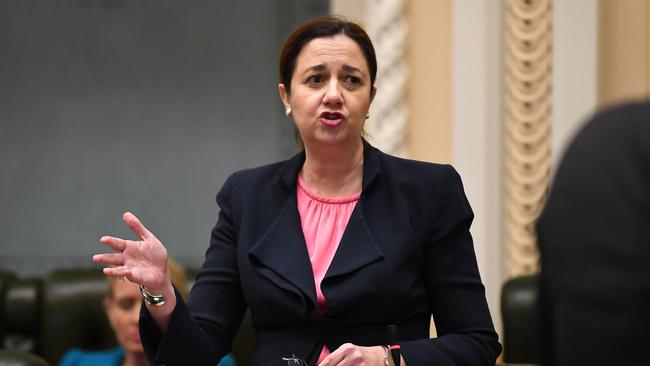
358,247
282,249
281,254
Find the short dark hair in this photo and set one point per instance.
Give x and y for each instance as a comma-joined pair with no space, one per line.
323,26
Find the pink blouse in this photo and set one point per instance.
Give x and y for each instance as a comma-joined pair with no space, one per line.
323,222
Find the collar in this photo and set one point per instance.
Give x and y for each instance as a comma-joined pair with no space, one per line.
289,170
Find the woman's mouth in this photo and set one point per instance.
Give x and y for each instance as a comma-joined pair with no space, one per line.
135,336
331,119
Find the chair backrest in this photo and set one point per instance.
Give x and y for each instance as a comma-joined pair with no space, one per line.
6,278
17,358
20,312
50,315
519,310
72,313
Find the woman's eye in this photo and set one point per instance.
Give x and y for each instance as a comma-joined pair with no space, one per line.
126,304
315,79
352,80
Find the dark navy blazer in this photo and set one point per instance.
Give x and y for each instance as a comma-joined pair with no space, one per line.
406,254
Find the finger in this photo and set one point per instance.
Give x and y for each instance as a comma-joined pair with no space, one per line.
113,243
116,271
116,259
136,226
335,357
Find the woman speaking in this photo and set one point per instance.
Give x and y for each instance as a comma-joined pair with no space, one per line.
329,248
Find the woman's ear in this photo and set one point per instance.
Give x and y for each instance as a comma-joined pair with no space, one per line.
284,96
373,92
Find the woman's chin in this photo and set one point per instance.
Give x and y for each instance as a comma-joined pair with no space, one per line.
334,137
133,346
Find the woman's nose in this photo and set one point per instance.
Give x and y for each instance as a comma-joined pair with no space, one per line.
333,94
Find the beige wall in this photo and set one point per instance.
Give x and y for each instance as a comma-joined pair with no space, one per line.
428,96
352,9
575,71
624,50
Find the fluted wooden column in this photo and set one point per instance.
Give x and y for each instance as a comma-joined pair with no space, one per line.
387,27
527,118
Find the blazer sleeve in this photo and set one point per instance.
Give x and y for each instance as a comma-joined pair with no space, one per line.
201,331
457,301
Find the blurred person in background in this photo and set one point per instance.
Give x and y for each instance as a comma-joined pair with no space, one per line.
594,240
122,306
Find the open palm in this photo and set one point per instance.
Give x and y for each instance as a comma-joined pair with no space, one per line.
141,261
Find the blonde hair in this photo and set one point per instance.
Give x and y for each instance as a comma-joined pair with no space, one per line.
179,277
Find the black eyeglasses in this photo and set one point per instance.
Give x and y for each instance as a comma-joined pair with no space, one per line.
295,361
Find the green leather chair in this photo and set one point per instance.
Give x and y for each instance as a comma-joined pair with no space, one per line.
46,316
17,358
72,314
519,311
62,310
6,278
20,314
19,299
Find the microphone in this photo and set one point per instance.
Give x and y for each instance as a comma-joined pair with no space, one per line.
393,337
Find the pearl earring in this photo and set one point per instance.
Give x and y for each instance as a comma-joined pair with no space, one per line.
288,111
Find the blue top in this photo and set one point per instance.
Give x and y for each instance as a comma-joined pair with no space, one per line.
111,357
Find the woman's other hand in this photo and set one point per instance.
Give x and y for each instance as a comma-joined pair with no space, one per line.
352,355
142,261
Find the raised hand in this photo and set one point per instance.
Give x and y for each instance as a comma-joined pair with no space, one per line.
141,261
